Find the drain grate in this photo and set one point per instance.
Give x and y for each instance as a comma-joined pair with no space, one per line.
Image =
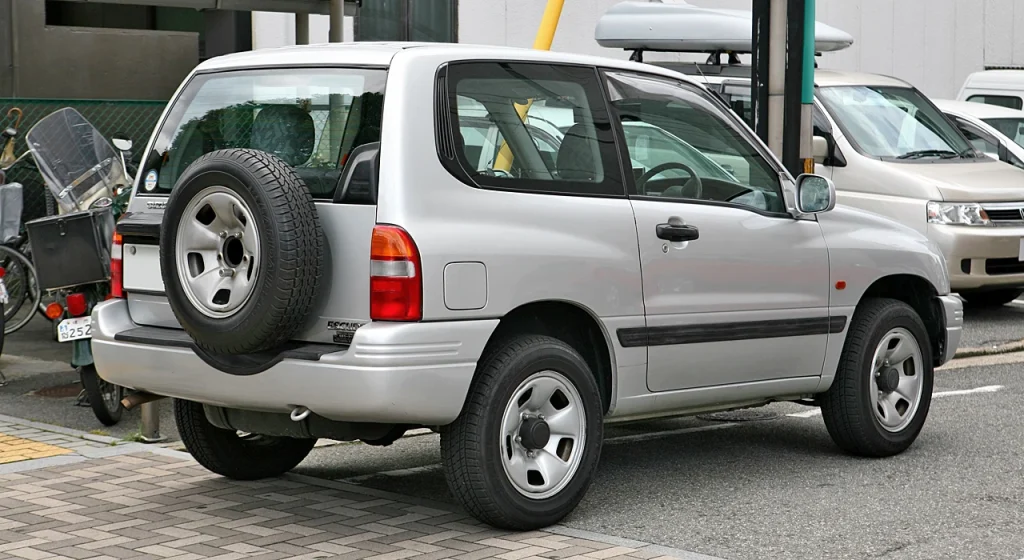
65,391
747,415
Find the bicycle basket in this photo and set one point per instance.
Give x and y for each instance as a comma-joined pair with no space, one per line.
10,211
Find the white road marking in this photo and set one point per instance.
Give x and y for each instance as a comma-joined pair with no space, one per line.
938,394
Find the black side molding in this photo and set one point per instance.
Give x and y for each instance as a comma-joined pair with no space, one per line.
241,364
726,332
140,227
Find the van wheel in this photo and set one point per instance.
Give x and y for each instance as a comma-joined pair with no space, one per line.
234,455
880,397
993,298
523,452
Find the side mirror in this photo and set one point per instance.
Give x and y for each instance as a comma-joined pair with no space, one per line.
122,143
815,194
819,149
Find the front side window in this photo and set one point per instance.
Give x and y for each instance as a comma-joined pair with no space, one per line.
311,119
1009,101
894,123
981,141
684,146
532,127
1012,128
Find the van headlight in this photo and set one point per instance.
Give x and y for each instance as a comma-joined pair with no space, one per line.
957,213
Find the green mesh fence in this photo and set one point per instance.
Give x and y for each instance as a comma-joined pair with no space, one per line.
134,119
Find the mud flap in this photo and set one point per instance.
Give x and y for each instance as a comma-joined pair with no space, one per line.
81,353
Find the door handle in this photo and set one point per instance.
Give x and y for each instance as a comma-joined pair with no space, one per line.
677,232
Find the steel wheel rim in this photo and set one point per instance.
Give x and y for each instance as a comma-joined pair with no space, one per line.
895,405
216,251
546,397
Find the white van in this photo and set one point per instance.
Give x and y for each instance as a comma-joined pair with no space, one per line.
994,87
888,149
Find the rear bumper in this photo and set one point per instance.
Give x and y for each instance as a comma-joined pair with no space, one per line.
953,314
415,373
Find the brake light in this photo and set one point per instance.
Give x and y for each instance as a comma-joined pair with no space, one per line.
75,304
396,287
117,268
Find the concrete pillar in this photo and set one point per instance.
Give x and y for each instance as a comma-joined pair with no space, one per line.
337,31
301,29
776,75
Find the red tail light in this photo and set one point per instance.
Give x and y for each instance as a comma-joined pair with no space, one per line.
76,304
396,286
54,311
117,268
3,272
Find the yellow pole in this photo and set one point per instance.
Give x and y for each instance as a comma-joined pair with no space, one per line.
545,35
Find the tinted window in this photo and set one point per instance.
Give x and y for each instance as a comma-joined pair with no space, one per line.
981,141
311,119
1010,101
700,151
893,122
1010,127
565,144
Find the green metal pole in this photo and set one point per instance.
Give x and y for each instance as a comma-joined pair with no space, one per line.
807,97
807,89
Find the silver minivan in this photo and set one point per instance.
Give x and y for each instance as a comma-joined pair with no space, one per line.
336,242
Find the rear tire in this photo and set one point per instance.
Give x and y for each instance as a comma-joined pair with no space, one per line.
503,471
880,415
229,454
993,298
104,397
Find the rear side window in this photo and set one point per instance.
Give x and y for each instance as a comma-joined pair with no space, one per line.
311,119
529,127
1010,101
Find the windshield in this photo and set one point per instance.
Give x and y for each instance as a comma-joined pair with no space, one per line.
894,123
1012,128
311,119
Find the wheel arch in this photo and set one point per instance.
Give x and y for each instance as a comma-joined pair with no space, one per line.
919,294
572,323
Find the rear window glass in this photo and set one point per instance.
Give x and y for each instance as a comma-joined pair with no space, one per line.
311,119
1009,101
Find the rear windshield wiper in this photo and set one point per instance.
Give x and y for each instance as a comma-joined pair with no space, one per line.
944,154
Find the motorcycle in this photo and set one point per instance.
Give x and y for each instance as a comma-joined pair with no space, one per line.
89,180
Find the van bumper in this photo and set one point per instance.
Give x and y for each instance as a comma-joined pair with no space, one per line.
409,373
953,318
980,258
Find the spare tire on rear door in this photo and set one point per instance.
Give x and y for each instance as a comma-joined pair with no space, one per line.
240,251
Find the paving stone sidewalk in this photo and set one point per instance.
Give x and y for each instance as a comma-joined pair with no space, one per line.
98,499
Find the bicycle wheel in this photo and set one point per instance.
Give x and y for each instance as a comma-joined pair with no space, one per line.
16,280
23,314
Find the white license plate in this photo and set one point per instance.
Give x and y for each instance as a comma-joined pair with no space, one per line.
74,329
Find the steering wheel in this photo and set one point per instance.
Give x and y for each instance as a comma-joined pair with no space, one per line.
641,182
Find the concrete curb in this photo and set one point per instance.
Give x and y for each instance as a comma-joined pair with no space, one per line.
1014,346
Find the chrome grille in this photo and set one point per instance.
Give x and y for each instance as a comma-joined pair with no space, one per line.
1003,213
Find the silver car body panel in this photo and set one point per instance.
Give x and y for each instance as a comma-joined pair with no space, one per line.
512,249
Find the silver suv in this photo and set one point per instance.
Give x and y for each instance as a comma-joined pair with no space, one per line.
314,249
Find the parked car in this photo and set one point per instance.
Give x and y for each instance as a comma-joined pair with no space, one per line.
994,87
515,313
995,130
886,146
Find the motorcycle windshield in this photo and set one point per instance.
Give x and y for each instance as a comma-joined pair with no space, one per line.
76,161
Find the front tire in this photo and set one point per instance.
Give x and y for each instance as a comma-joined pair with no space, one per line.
880,397
524,450
229,454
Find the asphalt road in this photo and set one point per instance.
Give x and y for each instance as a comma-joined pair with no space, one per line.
779,488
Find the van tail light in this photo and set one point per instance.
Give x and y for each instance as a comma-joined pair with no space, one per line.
396,283
75,304
117,268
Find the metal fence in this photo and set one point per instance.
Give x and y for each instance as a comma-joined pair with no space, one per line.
134,119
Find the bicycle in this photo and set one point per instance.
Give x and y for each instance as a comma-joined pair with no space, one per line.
15,261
